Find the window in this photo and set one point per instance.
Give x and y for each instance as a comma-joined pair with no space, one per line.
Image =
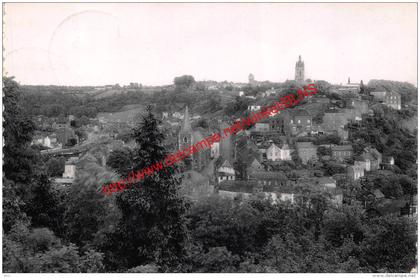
291,121
185,139
298,121
309,121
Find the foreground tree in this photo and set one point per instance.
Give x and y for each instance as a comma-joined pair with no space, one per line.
152,229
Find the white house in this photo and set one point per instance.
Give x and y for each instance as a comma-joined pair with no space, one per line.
225,172
275,153
365,164
254,107
215,150
47,142
69,169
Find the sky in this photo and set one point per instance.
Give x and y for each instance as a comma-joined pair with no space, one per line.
108,43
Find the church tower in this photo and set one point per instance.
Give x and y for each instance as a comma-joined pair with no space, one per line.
300,71
185,135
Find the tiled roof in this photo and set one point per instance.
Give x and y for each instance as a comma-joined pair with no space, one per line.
307,145
342,148
264,175
325,180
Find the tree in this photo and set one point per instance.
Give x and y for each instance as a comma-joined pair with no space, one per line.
203,123
388,245
89,214
19,158
152,228
46,206
121,160
12,206
55,167
183,83
39,250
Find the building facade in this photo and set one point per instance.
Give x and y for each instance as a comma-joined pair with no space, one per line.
306,151
393,100
342,152
274,153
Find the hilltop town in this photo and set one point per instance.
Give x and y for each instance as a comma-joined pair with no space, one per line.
330,181
324,144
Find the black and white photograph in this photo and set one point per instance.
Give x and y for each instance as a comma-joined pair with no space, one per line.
204,137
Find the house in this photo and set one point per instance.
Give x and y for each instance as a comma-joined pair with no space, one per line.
196,185
253,167
225,172
254,107
65,134
280,123
334,121
261,126
235,189
393,100
44,141
247,189
300,121
378,96
342,152
349,89
389,160
270,92
70,168
265,178
275,153
327,182
373,156
363,162
361,106
306,151
352,114
355,172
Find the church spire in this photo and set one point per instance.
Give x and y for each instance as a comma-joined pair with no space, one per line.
186,124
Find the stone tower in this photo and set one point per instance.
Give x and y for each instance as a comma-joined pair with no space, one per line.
300,71
251,78
185,135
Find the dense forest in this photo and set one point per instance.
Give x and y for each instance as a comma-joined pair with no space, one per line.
152,228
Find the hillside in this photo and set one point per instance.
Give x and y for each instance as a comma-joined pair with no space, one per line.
407,90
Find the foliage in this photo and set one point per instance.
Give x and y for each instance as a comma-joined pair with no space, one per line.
121,160
55,166
152,228
39,250
383,132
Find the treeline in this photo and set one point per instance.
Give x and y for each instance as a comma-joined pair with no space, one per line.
54,104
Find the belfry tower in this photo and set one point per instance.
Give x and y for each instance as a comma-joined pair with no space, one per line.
185,135
300,71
